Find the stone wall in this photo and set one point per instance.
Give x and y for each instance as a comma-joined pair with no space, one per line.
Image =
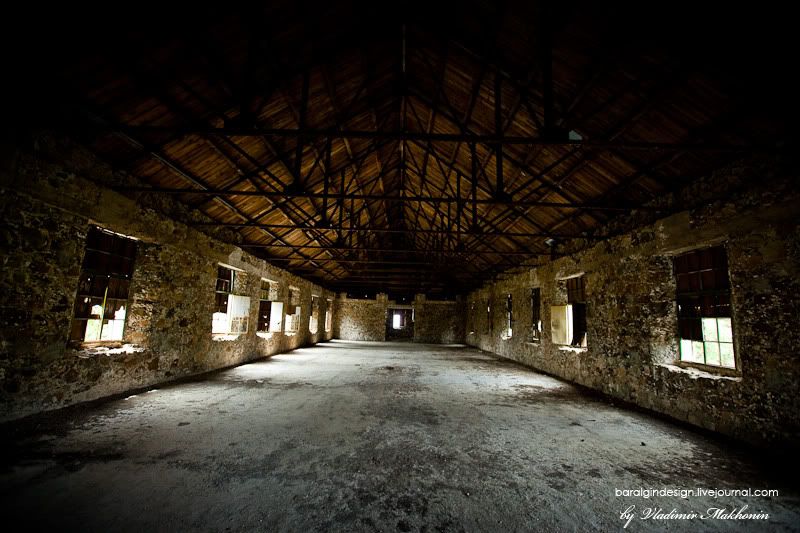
436,322
632,347
360,320
46,210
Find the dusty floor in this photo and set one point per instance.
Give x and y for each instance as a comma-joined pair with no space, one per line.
370,437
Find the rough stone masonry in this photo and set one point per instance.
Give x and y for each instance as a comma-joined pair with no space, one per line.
51,195
435,321
632,340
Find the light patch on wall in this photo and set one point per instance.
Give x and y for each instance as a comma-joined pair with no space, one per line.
561,324
276,317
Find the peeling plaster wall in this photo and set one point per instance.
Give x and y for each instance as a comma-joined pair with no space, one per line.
632,316
46,210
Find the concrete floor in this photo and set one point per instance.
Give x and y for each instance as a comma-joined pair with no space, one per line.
370,437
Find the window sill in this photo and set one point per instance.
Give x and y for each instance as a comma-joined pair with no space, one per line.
533,343
85,345
90,349
225,336
265,334
701,373
574,349
290,333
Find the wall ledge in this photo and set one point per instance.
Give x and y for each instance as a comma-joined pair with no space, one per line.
92,351
221,337
574,349
695,373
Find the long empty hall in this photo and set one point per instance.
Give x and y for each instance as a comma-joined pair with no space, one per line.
295,265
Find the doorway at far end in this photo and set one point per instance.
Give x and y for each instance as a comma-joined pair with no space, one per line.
400,324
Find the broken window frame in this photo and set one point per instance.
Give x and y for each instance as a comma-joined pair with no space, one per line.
226,302
536,314
264,315
313,319
114,271
226,281
576,299
704,310
293,313
471,318
509,329
328,315
268,296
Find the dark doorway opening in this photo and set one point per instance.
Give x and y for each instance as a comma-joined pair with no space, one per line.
400,324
